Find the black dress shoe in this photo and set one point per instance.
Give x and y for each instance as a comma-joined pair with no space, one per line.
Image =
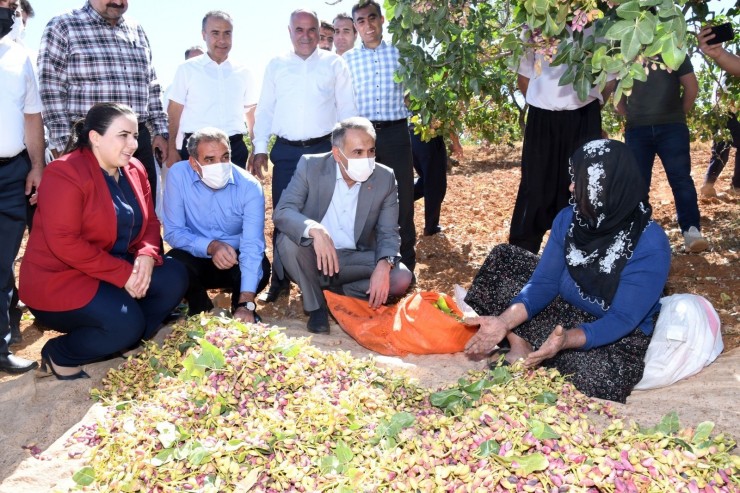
47,368
318,321
15,364
275,291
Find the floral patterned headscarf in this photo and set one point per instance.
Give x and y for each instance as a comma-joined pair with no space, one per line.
610,212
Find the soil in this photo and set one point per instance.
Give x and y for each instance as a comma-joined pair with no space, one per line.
41,412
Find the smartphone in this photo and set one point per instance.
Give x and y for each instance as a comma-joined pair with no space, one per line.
722,33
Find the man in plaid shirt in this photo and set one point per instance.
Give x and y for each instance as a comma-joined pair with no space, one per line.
94,55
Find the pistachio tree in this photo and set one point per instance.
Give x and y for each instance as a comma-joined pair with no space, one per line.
458,56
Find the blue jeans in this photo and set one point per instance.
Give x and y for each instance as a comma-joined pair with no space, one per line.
670,142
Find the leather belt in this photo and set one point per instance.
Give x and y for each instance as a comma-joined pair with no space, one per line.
8,160
304,143
381,124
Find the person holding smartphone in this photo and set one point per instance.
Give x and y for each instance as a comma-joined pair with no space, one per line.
710,43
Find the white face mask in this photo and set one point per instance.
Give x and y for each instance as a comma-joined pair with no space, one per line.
359,169
18,32
216,175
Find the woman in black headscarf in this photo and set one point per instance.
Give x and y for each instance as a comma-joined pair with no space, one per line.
588,306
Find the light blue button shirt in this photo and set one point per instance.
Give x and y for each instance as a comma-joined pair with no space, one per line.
377,95
195,215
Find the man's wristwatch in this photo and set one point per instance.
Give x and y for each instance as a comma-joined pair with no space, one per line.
390,259
249,305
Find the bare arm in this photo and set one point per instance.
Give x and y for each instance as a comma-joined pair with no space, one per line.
726,60
690,91
493,330
608,90
34,139
522,83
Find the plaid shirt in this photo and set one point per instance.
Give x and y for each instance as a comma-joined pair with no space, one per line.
84,60
377,95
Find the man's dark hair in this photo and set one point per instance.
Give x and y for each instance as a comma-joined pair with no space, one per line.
352,123
26,7
326,25
364,3
219,14
207,134
192,49
344,16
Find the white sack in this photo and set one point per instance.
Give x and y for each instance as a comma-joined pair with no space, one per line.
687,338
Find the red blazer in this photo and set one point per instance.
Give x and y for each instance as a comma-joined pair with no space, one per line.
74,228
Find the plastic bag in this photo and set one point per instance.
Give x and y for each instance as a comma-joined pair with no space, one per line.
414,326
460,294
686,338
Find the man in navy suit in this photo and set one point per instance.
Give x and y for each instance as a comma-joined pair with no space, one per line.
338,220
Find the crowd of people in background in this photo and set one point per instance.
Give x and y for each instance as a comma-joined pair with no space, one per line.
343,187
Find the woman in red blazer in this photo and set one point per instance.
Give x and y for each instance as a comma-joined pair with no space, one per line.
93,267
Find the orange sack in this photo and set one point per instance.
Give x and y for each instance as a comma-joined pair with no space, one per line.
414,326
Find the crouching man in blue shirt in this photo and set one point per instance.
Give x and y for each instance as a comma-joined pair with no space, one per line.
214,220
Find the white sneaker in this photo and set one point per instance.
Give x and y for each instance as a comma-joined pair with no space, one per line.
707,190
693,241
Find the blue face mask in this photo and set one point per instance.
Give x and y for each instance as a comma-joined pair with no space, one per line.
7,18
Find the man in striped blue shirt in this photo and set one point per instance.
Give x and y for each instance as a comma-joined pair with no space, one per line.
380,99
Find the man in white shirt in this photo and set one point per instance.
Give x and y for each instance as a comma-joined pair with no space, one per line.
212,91
21,166
345,34
558,122
338,222
304,94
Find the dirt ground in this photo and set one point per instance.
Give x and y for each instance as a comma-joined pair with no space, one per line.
476,213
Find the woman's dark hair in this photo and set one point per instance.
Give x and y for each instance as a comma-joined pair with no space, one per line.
98,118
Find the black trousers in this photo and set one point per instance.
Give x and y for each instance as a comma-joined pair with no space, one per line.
12,224
145,154
550,138
430,163
203,275
239,150
113,321
393,149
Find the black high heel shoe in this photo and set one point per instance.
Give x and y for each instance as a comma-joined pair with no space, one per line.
46,365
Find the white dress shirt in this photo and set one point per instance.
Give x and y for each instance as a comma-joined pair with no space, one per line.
339,219
213,94
19,96
303,99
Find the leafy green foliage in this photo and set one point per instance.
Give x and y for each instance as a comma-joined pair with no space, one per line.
458,56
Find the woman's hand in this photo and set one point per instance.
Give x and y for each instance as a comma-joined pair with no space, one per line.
138,283
553,345
558,340
492,331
